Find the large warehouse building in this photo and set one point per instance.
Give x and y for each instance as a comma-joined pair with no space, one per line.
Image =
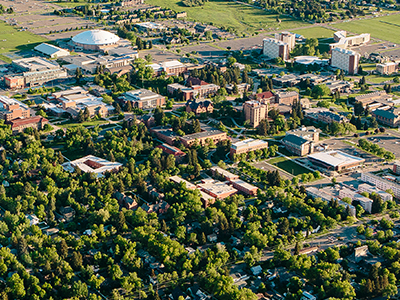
94,39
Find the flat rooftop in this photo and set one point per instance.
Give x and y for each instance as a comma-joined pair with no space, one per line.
35,64
249,143
223,172
201,135
335,158
217,188
92,164
141,95
177,179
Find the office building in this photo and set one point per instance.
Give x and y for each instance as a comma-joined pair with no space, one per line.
273,48
330,117
144,99
336,160
247,145
19,125
92,164
288,38
365,187
12,109
346,60
255,112
382,183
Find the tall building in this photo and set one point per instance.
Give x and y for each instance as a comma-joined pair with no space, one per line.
387,68
288,38
11,109
254,112
274,48
346,60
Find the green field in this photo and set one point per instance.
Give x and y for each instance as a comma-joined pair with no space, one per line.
288,165
315,32
12,40
385,28
238,16
84,124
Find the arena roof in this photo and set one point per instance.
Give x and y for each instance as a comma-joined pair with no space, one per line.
95,37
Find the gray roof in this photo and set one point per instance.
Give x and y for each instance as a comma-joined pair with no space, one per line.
294,139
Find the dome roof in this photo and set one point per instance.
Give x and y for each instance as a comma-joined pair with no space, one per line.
95,37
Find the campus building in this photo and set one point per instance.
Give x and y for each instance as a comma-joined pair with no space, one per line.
396,167
217,189
288,38
286,98
301,141
199,106
12,109
19,125
346,60
335,160
382,183
390,117
273,48
255,112
203,137
219,172
342,41
144,99
247,145
35,71
328,197
330,117
51,50
176,152
94,40
170,68
92,164
365,202
387,68
196,89
365,187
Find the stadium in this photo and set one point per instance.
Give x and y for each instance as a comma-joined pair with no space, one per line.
94,39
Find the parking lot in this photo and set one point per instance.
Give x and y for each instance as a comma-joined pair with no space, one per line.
388,141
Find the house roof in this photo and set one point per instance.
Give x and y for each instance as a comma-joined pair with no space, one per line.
195,81
265,95
193,104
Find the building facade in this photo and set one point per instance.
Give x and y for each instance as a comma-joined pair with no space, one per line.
144,99
254,112
288,38
247,146
387,68
19,125
346,60
381,183
273,48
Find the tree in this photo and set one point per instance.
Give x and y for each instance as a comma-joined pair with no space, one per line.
159,115
76,260
63,249
78,75
320,90
120,224
16,285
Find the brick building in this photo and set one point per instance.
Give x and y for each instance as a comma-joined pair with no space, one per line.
19,125
143,99
247,146
254,112
199,106
203,137
12,109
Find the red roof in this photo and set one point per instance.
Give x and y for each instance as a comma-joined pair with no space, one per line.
265,95
34,120
195,81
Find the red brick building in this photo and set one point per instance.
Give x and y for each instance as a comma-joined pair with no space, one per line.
19,125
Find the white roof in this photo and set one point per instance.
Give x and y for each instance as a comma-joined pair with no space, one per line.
92,164
248,143
172,63
50,49
95,37
335,158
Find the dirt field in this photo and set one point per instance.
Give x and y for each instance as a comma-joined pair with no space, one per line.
38,18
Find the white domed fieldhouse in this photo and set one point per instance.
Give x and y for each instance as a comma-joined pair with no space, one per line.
95,37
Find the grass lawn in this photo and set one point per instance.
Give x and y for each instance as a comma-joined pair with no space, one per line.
288,165
368,67
385,28
315,32
231,14
84,124
378,78
12,40
70,4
